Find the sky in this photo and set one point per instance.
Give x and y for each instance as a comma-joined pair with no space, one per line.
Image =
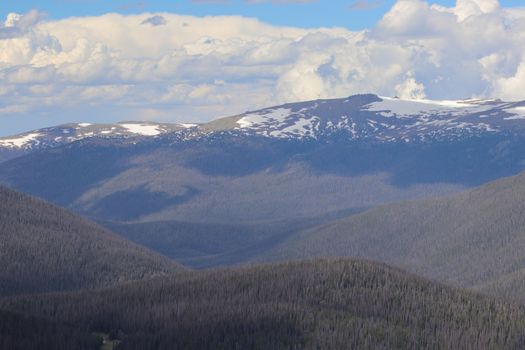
195,60
306,14
351,14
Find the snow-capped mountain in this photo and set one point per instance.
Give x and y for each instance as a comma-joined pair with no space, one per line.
329,156
382,118
67,133
359,117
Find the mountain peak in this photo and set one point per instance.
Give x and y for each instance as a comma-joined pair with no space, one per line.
381,118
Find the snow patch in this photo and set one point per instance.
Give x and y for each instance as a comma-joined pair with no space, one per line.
19,141
187,125
519,113
393,107
142,129
265,117
301,128
515,117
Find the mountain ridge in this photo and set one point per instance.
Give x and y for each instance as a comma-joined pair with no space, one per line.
366,116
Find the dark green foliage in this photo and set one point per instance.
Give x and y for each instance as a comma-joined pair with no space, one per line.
324,304
44,248
19,332
475,239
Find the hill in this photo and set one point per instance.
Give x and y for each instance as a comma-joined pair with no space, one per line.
328,304
473,239
19,332
44,248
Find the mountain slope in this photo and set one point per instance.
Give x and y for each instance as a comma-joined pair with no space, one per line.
328,304
44,248
474,239
20,332
232,178
359,152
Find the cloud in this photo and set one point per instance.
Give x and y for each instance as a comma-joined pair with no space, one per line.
155,21
410,88
196,68
17,25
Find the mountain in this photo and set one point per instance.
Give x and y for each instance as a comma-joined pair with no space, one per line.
324,304
302,163
380,118
474,239
44,248
67,133
358,117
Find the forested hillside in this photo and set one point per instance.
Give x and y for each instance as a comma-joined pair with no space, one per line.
324,304
475,239
6,154
44,248
18,332
232,178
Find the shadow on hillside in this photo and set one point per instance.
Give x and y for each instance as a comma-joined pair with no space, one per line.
469,162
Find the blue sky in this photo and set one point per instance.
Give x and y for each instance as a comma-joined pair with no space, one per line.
329,13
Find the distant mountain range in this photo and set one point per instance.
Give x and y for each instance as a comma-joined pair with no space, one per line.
13,146
358,117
